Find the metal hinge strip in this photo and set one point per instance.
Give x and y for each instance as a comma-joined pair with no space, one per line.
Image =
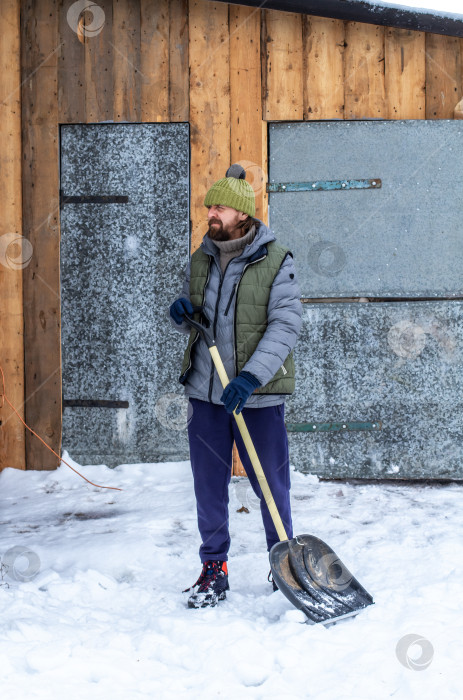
332,427
94,403
92,199
326,185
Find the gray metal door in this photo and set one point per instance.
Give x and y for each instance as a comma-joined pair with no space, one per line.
124,218
374,216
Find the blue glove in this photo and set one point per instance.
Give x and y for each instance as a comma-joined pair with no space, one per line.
238,391
179,308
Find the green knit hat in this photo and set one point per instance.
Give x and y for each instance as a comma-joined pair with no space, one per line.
233,191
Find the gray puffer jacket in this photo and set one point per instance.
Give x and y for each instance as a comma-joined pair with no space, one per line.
284,323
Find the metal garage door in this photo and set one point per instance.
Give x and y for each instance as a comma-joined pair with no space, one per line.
124,243
373,212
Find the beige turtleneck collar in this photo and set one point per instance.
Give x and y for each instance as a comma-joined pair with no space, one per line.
231,249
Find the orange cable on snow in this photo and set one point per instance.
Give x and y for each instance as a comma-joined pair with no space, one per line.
5,397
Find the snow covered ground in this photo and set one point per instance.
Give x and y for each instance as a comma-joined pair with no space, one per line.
101,613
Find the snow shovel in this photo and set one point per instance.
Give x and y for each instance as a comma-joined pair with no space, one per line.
305,569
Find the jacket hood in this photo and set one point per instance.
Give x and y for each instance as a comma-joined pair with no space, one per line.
264,235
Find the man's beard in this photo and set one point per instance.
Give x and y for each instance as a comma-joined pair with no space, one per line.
218,233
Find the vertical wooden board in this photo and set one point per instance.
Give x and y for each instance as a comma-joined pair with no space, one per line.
248,131
126,57
71,68
39,51
443,75
248,137
154,60
13,249
405,73
364,87
99,57
179,81
283,98
323,67
209,104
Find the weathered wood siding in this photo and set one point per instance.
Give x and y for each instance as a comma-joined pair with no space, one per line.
12,437
227,70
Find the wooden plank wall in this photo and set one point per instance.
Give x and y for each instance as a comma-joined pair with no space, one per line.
40,147
13,254
352,70
225,69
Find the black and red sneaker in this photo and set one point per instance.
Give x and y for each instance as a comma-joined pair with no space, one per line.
212,585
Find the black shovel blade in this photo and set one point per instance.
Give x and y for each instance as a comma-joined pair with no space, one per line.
313,578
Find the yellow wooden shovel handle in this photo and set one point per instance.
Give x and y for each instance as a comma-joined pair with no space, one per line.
277,521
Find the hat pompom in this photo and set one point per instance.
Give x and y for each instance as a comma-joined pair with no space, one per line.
236,171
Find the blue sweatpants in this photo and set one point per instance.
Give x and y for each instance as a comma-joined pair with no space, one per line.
211,433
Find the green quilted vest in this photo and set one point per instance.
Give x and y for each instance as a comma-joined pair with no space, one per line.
252,297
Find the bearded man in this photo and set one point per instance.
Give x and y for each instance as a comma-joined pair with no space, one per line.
246,286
